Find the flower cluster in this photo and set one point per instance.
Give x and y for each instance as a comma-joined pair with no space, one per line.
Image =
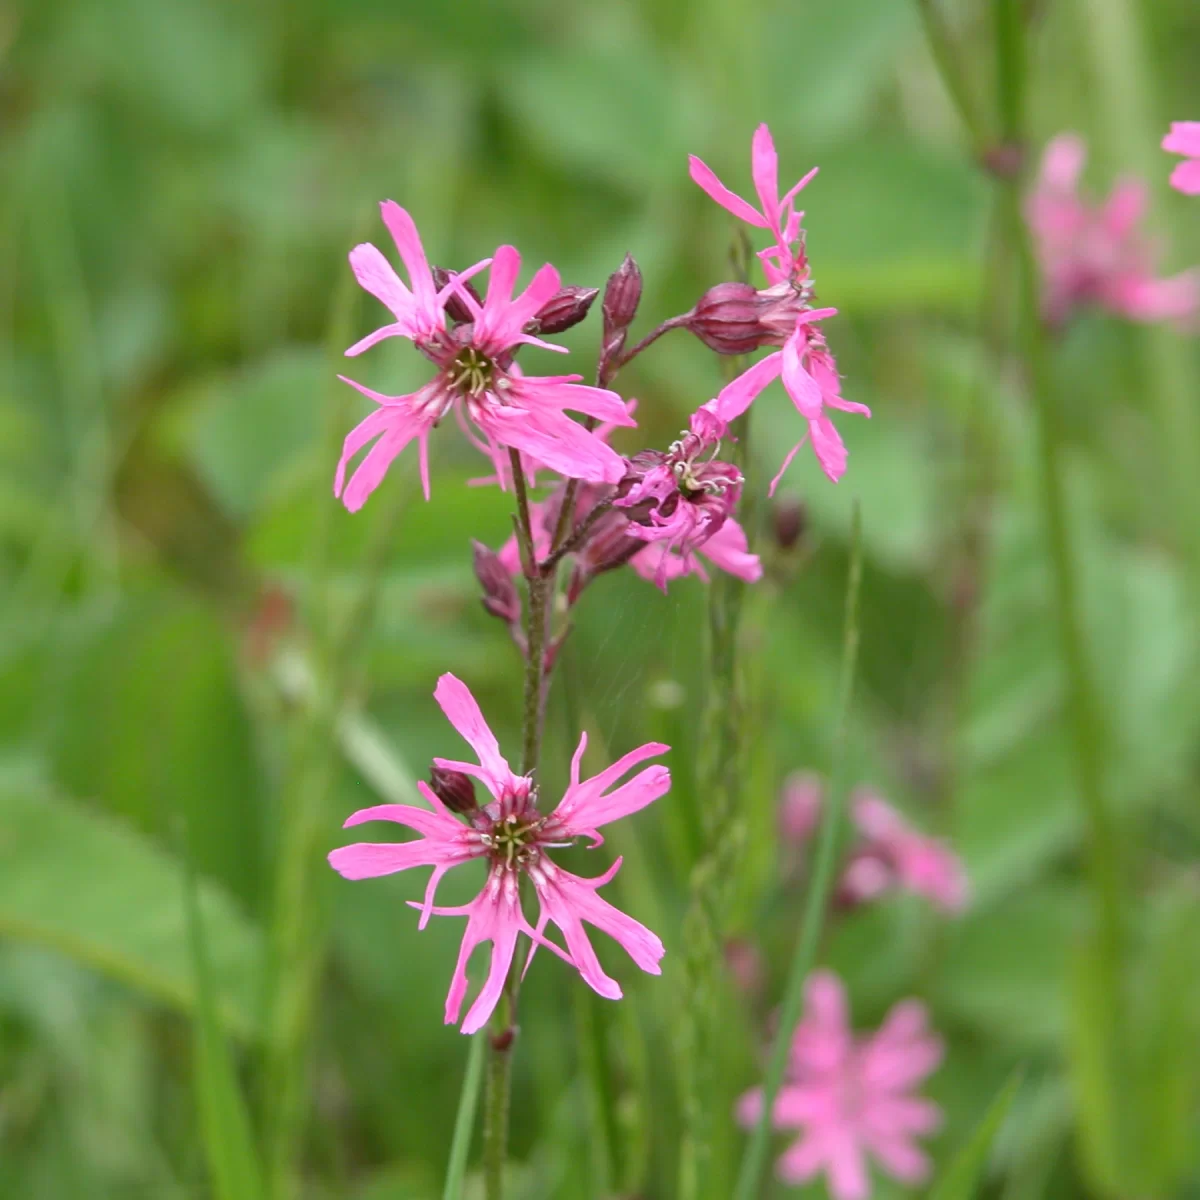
850,1097
888,854
1098,254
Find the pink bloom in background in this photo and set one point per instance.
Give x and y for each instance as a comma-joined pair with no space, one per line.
1184,139
476,376
888,853
915,862
800,807
512,836
1097,253
851,1097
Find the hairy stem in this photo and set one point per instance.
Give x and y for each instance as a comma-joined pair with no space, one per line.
749,1183
581,531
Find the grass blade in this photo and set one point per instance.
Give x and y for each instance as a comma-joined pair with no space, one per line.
960,1180
224,1117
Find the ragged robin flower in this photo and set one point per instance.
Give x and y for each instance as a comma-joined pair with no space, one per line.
495,403
512,836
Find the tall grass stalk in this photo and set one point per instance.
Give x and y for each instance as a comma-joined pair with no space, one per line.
754,1161
297,933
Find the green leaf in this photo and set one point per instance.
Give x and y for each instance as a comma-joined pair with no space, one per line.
91,888
224,1120
961,1179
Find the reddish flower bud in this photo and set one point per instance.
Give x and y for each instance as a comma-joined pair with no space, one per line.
789,520
454,789
608,546
621,296
565,308
726,320
456,308
500,596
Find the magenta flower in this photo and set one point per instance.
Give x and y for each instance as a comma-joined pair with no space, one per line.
1184,139
850,1097
684,496
476,375
778,214
1097,253
512,836
892,853
810,378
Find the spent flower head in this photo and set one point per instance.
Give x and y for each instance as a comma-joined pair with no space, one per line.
512,836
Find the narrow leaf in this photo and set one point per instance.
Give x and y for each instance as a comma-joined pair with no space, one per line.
961,1179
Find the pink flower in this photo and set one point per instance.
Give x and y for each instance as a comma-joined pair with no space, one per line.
778,215
684,496
476,375
1097,253
810,378
1184,139
512,836
915,862
800,806
850,1097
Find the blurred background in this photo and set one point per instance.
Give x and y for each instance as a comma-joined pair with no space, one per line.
204,659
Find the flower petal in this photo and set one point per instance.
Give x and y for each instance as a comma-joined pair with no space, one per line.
828,446
737,396
1184,138
799,384
377,276
588,805
408,242
729,551
764,170
703,175
462,711
1186,177
553,439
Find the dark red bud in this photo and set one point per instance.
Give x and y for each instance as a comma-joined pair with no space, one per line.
727,319
454,789
621,296
565,308
500,596
790,521
456,308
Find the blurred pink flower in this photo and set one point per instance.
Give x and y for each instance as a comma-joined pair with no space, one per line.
1184,139
778,214
810,378
513,836
916,863
800,807
851,1097
476,376
1097,253
888,853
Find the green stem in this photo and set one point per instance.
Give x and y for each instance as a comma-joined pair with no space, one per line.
1084,712
464,1121
754,1162
947,55
503,1028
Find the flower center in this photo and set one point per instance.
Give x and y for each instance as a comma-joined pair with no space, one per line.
471,372
513,840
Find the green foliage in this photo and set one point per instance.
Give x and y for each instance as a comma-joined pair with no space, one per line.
179,187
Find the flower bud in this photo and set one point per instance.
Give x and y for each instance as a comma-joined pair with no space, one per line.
456,308
621,296
726,319
454,789
565,308
500,596
789,521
